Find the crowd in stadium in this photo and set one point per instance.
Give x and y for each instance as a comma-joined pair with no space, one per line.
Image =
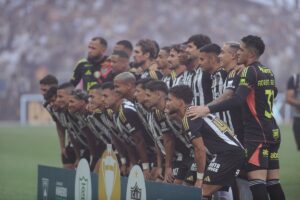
35,32
193,113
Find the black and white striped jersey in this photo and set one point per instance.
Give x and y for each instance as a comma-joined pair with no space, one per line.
50,110
217,87
201,86
96,122
158,127
217,136
143,115
61,117
169,79
75,124
128,123
109,121
181,145
187,77
179,80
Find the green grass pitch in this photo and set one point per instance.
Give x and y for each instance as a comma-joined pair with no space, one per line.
23,148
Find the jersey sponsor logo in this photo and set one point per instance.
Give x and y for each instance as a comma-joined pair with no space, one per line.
109,176
265,152
83,184
213,167
136,188
274,156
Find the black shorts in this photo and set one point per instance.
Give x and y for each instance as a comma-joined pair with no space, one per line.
71,157
191,175
262,156
181,167
224,167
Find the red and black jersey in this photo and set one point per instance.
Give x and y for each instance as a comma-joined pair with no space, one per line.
256,92
258,82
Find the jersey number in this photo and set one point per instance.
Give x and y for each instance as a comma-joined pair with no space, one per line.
222,126
270,96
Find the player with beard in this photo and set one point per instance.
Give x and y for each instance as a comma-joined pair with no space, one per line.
219,141
84,141
144,55
140,102
199,81
172,153
169,76
95,68
83,137
261,133
137,143
210,62
102,127
177,68
58,99
48,88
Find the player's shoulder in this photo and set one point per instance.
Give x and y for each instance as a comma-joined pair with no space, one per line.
126,104
82,61
154,74
127,109
189,124
159,115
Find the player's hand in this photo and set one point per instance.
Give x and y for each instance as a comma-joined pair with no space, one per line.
76,162
123,170
156,173
147,174
199,183
169,178
197,111
64,152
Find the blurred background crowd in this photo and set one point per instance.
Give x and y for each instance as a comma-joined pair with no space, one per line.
50,36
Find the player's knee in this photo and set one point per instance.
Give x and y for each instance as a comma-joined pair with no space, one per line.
258,189
275,190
